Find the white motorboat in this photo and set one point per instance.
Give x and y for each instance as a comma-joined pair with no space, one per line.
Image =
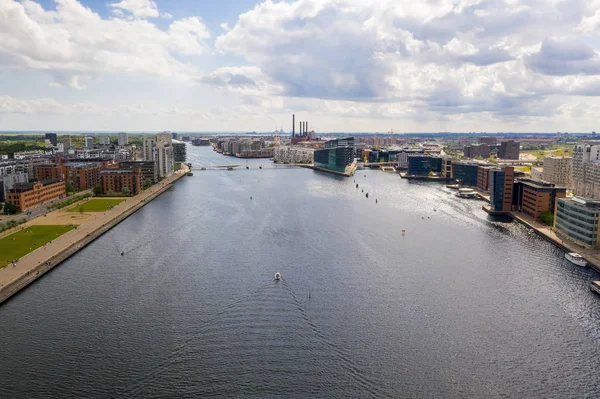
595,286
277,276
576,259
466,193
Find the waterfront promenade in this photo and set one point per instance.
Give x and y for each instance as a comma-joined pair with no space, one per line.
36,263
591,255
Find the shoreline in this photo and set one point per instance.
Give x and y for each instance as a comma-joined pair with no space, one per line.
37,263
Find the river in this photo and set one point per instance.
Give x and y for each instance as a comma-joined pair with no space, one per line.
459,306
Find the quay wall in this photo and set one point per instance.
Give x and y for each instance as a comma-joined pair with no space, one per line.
32,275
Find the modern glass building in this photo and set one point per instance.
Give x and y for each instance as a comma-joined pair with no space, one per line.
336,155
577,220
501,189
465,173
419,165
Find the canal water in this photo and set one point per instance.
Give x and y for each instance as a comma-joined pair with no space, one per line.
458,306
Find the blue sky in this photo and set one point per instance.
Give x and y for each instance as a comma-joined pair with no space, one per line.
343,65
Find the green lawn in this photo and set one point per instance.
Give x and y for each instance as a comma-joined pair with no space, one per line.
24,241
97,205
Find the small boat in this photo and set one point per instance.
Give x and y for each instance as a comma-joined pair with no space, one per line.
189,174
576,259
367,195
466,193
203,168
595,286
229,168
260,167
247,167
277,276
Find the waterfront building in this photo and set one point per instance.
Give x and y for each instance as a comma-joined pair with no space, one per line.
537,173
82,175
465,173
165,156
534,197
447,170
117,180
47,171
477,150
576,219
179,151
149,169
201,142
586,170
122,139
28,195
491,141
293,154
336,155
52,137
501,189
89,142
483,177
419,165
185,139
558,170
509,149
174,136
8,181
149,149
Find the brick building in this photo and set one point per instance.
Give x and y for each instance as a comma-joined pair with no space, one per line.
479,150
28,195
509,149
48,171
534,197
116,180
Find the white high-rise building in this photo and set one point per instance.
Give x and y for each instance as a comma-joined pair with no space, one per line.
123,139
558,170
159,149
586,170
104,140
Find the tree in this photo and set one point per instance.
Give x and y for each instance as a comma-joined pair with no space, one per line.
147,183
69,186
98,190
126,191
81,209
10,209
547,217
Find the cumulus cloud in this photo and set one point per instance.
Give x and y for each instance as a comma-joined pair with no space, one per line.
77,41
139,8
445,56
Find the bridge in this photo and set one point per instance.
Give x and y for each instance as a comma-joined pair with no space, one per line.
208,167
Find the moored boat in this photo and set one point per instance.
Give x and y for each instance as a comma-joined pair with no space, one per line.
595,286
576,259
466,193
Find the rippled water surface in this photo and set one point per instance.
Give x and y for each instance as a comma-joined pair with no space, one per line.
460,306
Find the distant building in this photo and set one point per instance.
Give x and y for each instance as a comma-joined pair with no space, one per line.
558,170
52,137
586,170
116,180
501,188
293,154
89,142
465,173
66,140
185,138
577,219
165,154
201,142
174,136
402,157
149,149
509,150
336,155
479,150
28,195
104,140
149,169
534,197
447,171
537,173
179,152
122,139
491,141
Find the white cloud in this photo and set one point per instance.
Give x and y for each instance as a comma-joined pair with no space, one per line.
74,40
139,8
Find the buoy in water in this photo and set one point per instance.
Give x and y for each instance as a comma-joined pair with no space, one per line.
375,200
277,276
403,232
122,253
250,197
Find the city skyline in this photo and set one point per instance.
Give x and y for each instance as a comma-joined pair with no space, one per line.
345,66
